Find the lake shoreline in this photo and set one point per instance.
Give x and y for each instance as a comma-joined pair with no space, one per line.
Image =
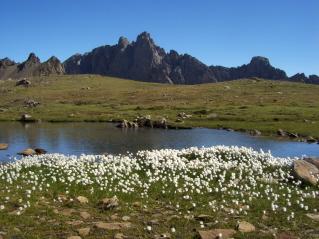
279,134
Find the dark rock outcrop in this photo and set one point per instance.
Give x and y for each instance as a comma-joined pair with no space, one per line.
140,60
258,67
301,77
143,60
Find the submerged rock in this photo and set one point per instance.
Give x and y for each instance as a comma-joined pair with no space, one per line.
26,117
3,146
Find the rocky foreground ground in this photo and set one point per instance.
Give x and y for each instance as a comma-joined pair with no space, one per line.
218,192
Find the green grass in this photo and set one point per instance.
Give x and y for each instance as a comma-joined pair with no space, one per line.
242,104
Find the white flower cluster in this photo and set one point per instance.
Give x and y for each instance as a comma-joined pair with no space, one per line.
232,179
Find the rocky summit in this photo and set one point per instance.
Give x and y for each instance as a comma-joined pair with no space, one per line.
31,67
143,60
140,60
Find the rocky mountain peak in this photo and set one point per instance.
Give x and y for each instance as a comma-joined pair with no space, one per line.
299,77
33,59
53,59
52,66
143,38
260,60
123,42
5,62
32,62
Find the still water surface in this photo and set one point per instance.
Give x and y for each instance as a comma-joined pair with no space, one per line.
97,138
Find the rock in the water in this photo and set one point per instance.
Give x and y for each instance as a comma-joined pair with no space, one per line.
113,225
123,124
314,161
26,117
108,203
3,146
293,135
82,199
161,124
215,233
281,133
27,152
40,151
311,140
255,132
307,172
145,121
244,226
84,231
313,216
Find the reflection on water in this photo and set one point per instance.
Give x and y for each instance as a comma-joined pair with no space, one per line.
97,138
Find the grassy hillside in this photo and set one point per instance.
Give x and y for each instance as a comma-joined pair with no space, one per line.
243,104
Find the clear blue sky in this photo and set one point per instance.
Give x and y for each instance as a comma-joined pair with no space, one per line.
219,32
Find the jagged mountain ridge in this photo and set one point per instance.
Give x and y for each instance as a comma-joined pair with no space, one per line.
143,60
31,67
140,60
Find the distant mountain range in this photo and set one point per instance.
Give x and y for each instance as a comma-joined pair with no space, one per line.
143,60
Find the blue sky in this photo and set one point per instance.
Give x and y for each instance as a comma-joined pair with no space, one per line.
220,32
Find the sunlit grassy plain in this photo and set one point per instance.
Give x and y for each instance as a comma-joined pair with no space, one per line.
243,104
